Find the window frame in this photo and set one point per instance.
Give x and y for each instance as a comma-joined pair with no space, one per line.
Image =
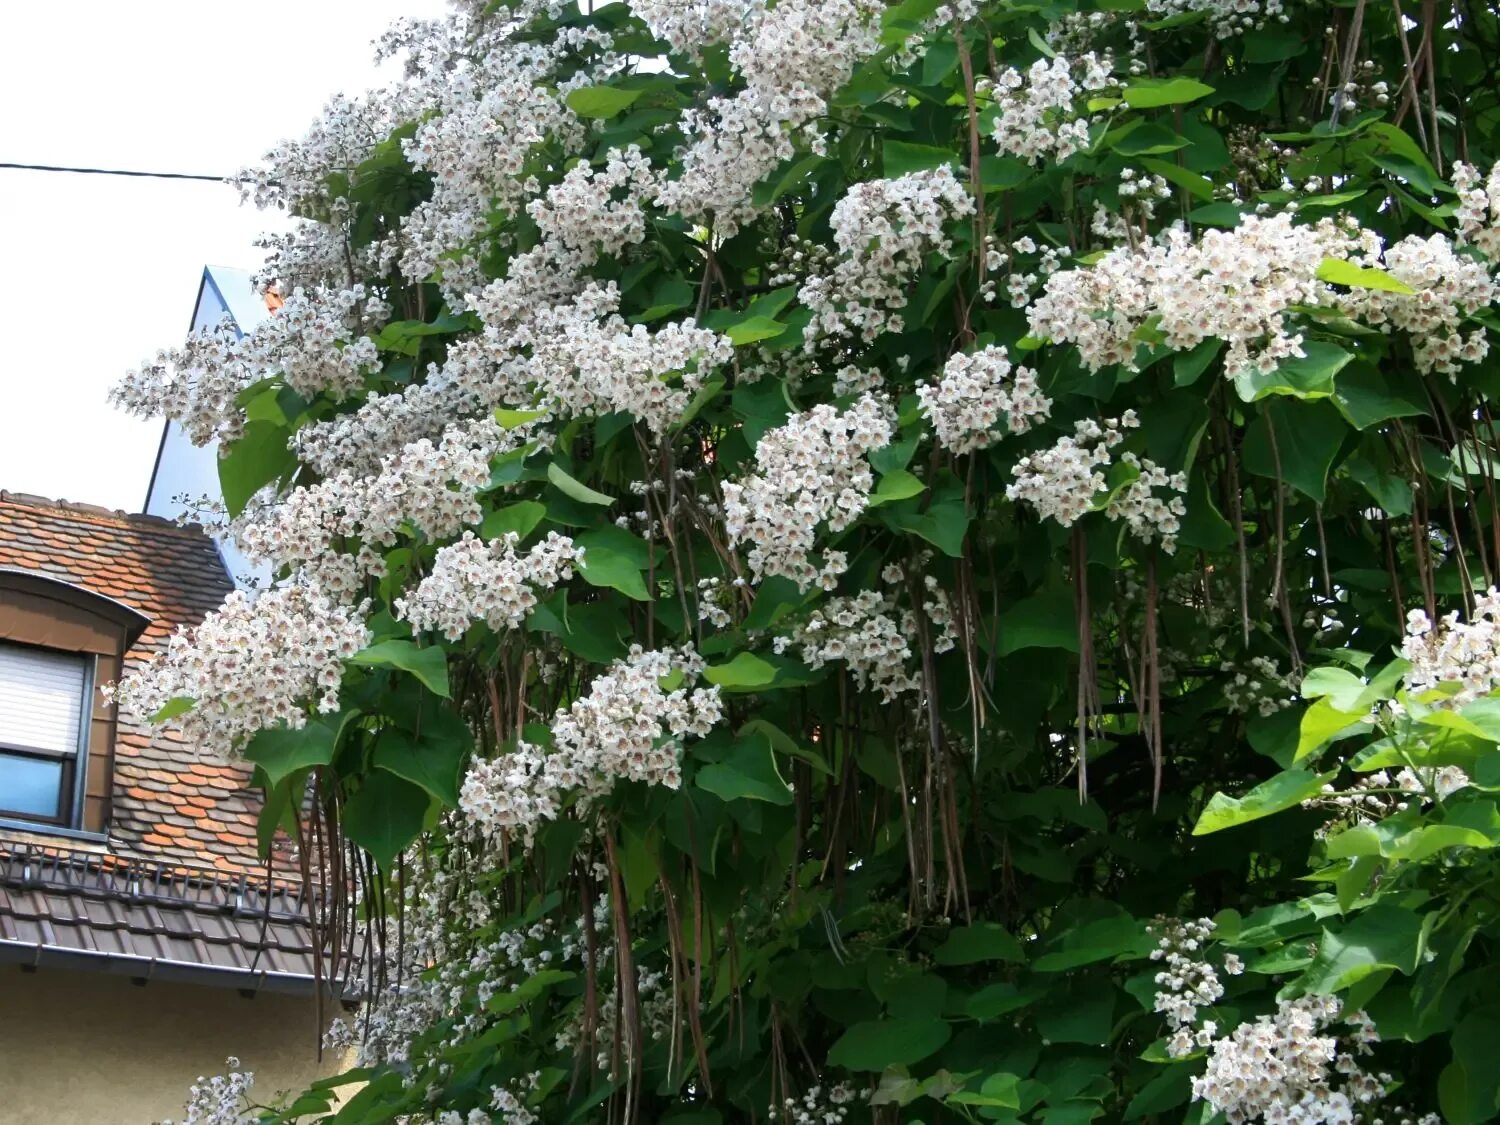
73,785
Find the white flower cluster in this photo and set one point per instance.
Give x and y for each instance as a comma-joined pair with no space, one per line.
1462,653
508,1104
1063,481
1139,195
793,57
250,665
1257,686
1237,286
1478,211
1441,781
1187,981
295,175
491,115
688,26
1449,287
1149,517
1242,286
809,471
586,360
429,486
1227,17
628,726
863,632
1039,115
818,1106
582,214
472,580
313,343
1282,1068
223,1099
976,390
884,230
714,600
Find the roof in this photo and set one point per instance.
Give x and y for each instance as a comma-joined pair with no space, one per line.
182,468
236,293
66,908
170,802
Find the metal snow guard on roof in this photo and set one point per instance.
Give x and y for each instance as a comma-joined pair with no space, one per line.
148,920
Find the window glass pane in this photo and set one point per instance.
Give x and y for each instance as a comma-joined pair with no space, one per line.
41,699
30,786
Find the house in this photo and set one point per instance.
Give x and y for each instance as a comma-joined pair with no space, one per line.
142,940
184,471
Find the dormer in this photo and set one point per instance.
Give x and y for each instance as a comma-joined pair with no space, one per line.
59,643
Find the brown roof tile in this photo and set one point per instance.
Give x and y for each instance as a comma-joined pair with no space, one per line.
174,576
152,920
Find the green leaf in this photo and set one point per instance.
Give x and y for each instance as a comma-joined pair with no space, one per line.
601,101
177,705
520,518
1204,526
1045,620
706,394
748,772
983,941
1337,271
1382,937
1106,939
614,558
1148,94
877,1044
258,456
1341,686
1469,1086
901,158
1145,138
513,419
1323,722
895,485
754,329
1167,1090
1307,377
1367,397
745,672
433,762
1308,437
1400,841
996,1000
280,751
429,665
943,524
1000,1091
405,336
1284,791
385,815
575,489
1199,187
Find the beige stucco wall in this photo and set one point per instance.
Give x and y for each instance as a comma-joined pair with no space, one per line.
79,1048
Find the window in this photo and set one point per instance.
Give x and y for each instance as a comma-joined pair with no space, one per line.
43,733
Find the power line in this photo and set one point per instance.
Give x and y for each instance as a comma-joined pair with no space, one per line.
116,172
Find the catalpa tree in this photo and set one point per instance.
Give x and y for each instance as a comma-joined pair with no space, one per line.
853,562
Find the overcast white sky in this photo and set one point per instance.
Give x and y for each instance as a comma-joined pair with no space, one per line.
98,272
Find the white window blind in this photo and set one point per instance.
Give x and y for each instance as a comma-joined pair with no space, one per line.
41,699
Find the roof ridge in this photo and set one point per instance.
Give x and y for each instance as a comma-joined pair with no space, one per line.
144,520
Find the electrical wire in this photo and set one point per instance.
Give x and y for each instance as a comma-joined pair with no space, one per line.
117,172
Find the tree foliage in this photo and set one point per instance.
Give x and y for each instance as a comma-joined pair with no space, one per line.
904,597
